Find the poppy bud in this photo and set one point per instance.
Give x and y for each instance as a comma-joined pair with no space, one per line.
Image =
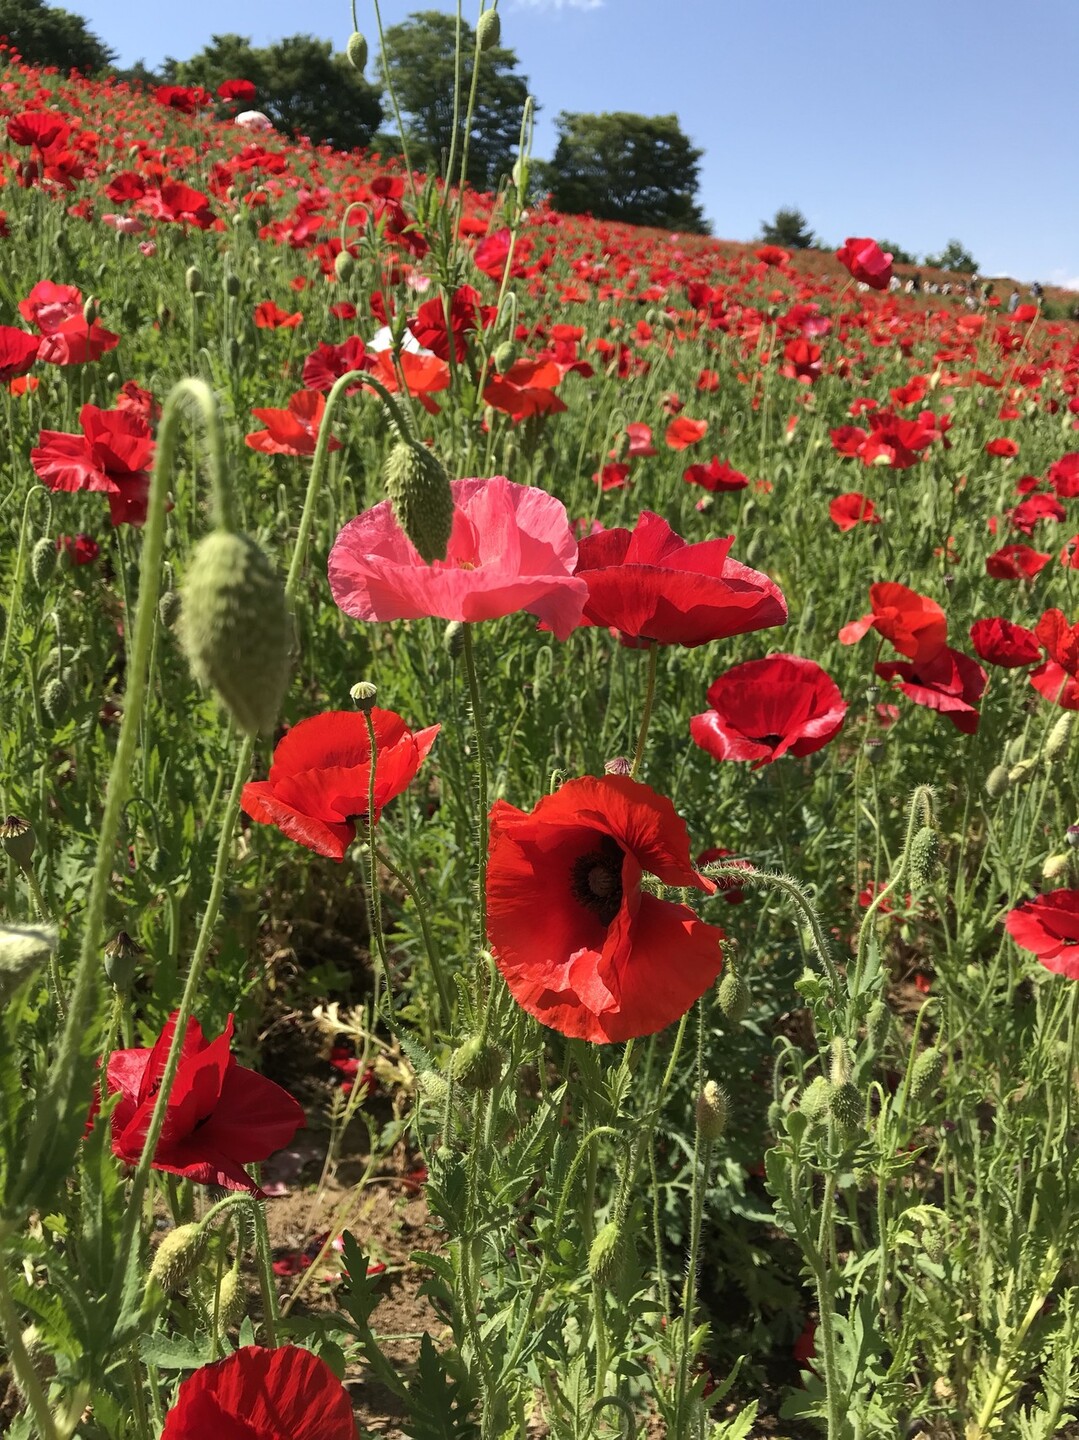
42,561
839,1072
18,839
505,356
477,1064
1022,771
814,1102
231,1301
176,1257
1013,750
847,1106
433,1086
453,638
232,286
1072,835
120,957
1057,866
877,1023
872,694
54,699
234,627
24,949
90,309
419,489
711,1111
925,855
488,30
356,50
168,608
235,351
927,1071
363,695
997,782
193,279
733,996
1060,736
607,1254
343,266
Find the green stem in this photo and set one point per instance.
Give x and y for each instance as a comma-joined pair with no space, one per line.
481,773
434,955
646,712
26,1377
372,853
270,1308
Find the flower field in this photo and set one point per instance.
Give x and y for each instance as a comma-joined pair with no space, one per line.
541,882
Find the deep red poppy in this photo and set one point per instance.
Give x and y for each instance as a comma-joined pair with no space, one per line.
40,128
269,316
866,261
319,782
1058,678
852,509
1016,562
77,549
48,305
580,944
220,1116
527,388
773,255
949,681
717,475
261,1394
914,624
1034,508
683,432
1002,446
242,91
649,585
76,342
1000,642
293,431
113,454
1063,475
763,709
18,351
1048,926
466,312
327,363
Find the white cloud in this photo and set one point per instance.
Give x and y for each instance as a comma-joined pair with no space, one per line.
1060,277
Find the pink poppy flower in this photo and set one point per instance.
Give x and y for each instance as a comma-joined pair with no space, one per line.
511,548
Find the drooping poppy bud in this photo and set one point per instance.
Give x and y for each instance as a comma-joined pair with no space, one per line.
176,1257
419,490
42,561
356,50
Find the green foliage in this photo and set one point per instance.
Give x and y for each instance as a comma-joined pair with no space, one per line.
301,84
418,60
955,256
789,228
47,35
640,169
898,254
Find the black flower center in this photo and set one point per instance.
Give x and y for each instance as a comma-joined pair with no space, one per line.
596,880
770,740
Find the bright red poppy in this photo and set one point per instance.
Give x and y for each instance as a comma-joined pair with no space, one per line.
466,312
852,509
1002,446
581,945
327,363
773,255
763,709
39,128
949,682
220,1116
269,316
18,351
319,783
914,624
866,261
1058,678
683,432
1016,562
1048,926
527,388
113,454
650,586
716,476
77,549
1000,642
293,431
261,1394
242,91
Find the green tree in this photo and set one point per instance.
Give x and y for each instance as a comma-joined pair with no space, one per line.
300,84
46,35
418,59
954,256
898,254
640,169
789,228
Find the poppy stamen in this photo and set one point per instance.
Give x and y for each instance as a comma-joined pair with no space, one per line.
597,880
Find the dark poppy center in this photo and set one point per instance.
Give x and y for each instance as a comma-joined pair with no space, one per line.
770,740
596,881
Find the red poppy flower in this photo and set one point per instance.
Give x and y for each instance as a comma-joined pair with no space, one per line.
895,442
242,91
999,642
1063,475
1058,678
269,316
683,432
613,476
527,388
914,624
76,342
18,351
649,585
261,1394
765,708
949,681
77,549
319,782
580,944
185,98
852,509
1048,926
467,312
113,454
717,475
220,1116
48,305
40,128
772,255
1034,508
640,440
327,363
866,262
293,431
1016,562
1002,446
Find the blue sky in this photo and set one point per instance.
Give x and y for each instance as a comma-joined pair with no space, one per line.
915,122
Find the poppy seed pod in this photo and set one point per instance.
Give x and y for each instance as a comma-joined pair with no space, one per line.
1057,866
168,608
193,279
120,957
607,1254
363,695
234,627
488,30
176,1257
712,1111
356,50
232,286
42,561
419,489
18,839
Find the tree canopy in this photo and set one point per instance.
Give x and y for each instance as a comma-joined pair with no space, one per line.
418,59
954,256
300,84
898,254
641,169
789,228
46,35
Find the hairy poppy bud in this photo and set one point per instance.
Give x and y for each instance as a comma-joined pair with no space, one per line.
176,1257
121,955
477,1064
1060,736
24,949
343,266
54,699
1022,771
433,1086
925,855
18,839
356,50
419,489
505,356
927,1071
997,782
608,1253
847,1106
42,561
711,1111
168,608
488,30
1057,866
733,997
839,1072
193,279
453,638
234,627
363,695
231,1301
815,1100
877,1023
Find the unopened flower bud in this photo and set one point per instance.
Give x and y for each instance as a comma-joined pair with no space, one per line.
419,489
232,286
815,1100
231,1301
1072,835
477,1064
18,839
1057,866
176,1257
505,356
433,1086
344,266
847,1106
877,1023
997,782
24,949
193,279
54,699
453,638
488,30
90,309
925,855
121,956
927,1071
363,695
42,561
168,608
1022,771
235,629
839,1072
733,996
711,1111
607,1255
356,50
1060,736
